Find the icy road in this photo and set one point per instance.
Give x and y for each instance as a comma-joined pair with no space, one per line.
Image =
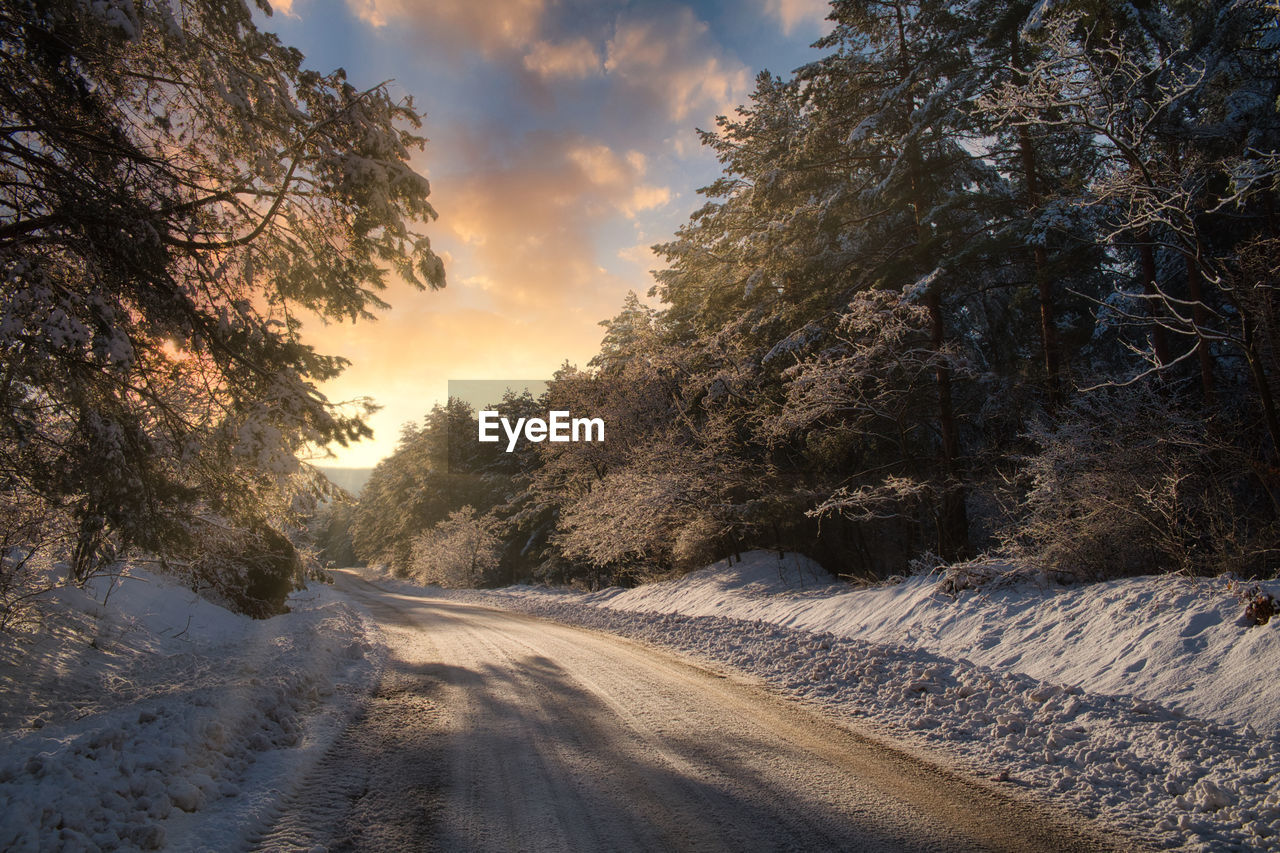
496,731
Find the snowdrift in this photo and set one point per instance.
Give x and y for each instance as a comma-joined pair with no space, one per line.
1178,641
162,720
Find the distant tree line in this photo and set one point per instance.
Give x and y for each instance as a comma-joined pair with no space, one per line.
991,277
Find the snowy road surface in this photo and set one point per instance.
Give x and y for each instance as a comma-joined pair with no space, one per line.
496,731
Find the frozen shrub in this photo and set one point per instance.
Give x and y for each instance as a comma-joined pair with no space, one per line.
249,569
1127,483
979,573
461,551
697,543
34,541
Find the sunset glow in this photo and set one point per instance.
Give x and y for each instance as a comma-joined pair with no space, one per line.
562,146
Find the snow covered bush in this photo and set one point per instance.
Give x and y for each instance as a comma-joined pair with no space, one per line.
461,551
33,543
697,544
1129,483
249,570
979,573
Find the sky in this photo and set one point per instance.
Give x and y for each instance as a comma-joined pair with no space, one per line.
562,145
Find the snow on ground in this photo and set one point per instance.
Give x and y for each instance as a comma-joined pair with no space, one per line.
1143,701
161,720
1166,638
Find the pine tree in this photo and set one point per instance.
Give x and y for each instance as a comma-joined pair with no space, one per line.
178,190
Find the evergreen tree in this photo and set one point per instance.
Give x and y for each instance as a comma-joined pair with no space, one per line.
177,189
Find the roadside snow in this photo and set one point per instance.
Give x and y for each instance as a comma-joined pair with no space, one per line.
1142,701
1165,638
161,720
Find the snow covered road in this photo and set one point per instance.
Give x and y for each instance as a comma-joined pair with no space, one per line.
492,730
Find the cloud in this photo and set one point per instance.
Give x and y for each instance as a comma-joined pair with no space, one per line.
560,129
643,256
794,13
662,61
573,59
646,198
672,61
491,27
602,167
479,282
619,178
526,227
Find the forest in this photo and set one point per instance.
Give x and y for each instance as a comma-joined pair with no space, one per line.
928,495
989,285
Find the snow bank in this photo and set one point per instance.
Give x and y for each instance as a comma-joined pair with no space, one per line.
1166,638
1142,701
161,720
758,576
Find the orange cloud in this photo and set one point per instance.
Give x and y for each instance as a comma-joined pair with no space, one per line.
618,177
526,285
491,27
530,226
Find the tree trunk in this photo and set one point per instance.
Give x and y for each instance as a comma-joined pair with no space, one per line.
1199,320
1159,340
953,522
1050,348
87,556
953,517
1265,398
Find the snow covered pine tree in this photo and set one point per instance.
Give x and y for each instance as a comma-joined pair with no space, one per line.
176,189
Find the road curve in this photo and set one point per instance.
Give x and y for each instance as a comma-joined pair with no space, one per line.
496,731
